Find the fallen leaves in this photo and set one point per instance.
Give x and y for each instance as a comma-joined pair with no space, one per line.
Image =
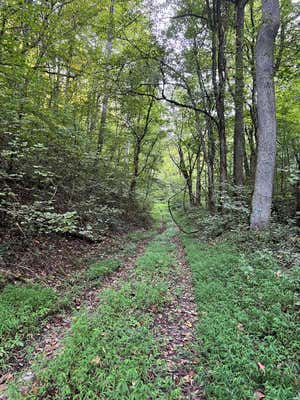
259,395
3,387
95,361
240,327
261,366
6,378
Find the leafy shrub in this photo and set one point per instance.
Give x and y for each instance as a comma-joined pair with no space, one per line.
38,194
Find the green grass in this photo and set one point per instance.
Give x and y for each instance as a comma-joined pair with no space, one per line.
22,308
136,236
247,316
102,268
112,353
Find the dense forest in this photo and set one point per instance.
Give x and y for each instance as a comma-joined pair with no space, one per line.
149,157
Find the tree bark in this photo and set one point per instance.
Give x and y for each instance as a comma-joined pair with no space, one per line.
297,192
216,24
136,163
239,130
198,182
266,157
186,173
221,95
209,151
210,168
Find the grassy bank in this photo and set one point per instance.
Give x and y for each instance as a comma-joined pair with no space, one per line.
248,333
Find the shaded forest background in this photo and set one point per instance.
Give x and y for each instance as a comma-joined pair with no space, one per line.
107,107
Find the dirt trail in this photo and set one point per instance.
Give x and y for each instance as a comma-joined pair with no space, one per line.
174,329
50,340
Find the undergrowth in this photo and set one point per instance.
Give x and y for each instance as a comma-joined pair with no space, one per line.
248,333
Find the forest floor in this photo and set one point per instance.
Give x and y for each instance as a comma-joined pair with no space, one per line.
154,315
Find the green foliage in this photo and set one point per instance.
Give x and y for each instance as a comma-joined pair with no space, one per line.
102,268
37,219
22,308
247,315
54,75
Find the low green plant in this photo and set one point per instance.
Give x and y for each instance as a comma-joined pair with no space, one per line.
22,308
248,334
102,268
158,259
138,235
129,248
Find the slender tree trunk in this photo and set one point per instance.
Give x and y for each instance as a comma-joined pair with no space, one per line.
266,157
217,26
297,192
198,181
108,51
239,130
189,183
253,108
210,160
221,96
187,175
209,148
136,163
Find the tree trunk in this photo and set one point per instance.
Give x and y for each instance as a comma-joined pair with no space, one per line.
136,163
198,181
216,19
187,174
297,192
266,157
210,160
189,184
108,51
221,96
239,134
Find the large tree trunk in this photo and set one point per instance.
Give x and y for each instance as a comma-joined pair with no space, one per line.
239,134
266,157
